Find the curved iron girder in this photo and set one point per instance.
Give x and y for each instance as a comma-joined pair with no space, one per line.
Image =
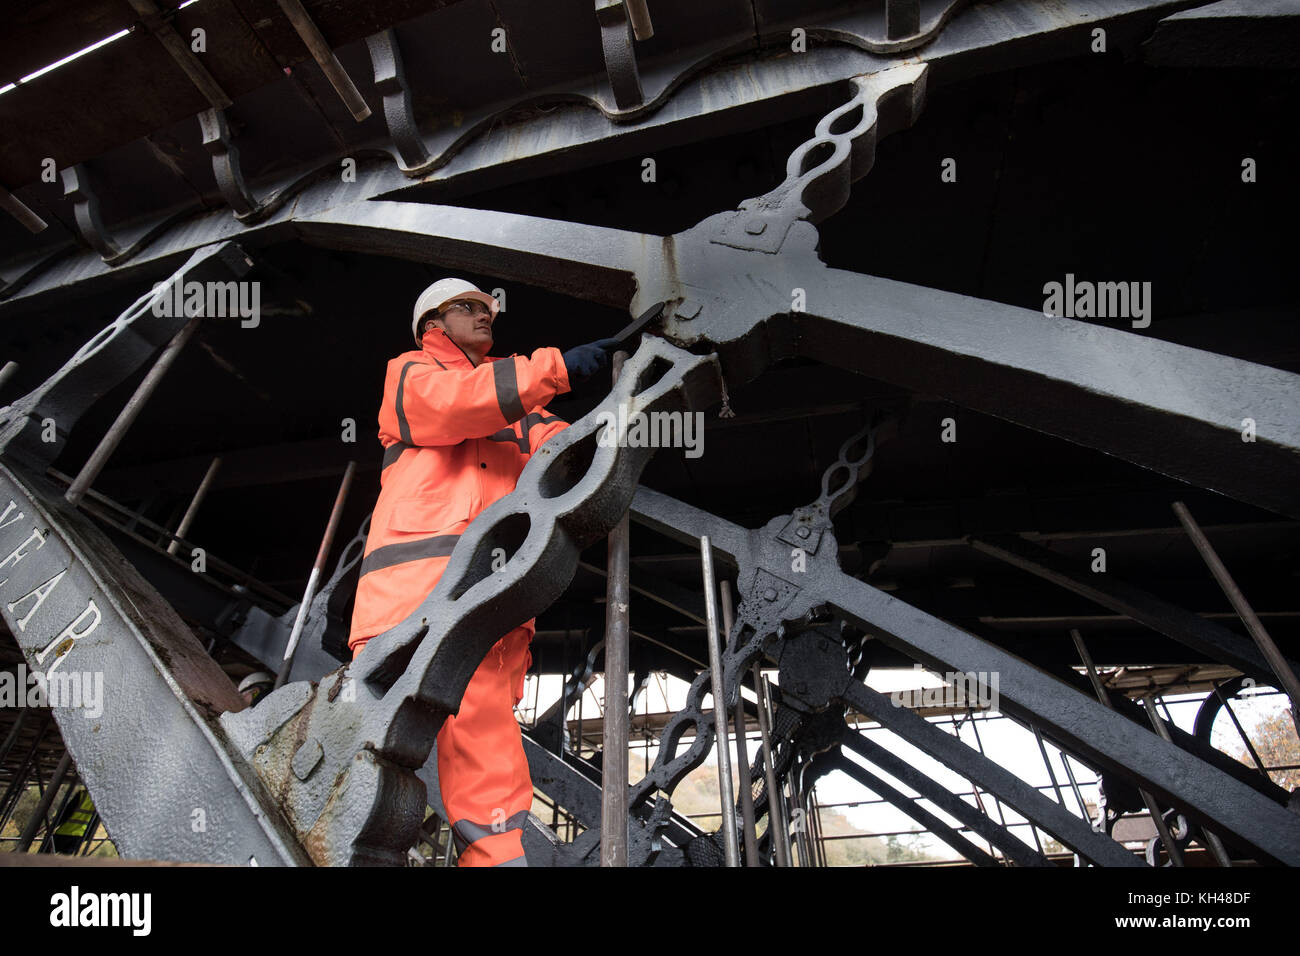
620,55
895,26
738,297
757,629
85,209
79,611
107,359
997,835
812,674
341,758
835,760
225,163
983,38
1077,722
399,114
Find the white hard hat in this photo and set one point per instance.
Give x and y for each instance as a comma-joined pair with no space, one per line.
442,292
255,678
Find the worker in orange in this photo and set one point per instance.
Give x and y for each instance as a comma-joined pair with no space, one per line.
458,426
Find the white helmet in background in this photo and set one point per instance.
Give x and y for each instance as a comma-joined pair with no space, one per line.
442,292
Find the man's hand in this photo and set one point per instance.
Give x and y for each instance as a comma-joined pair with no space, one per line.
585,361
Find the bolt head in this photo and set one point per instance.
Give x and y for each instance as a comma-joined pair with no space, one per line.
802,532
755,227
769,594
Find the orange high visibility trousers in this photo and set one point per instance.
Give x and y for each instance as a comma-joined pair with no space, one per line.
486,788
482,771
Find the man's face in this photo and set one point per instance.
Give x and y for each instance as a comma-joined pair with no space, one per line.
468,323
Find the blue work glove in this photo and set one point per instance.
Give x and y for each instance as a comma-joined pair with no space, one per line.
585,361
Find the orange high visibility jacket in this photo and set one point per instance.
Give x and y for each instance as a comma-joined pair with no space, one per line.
455,439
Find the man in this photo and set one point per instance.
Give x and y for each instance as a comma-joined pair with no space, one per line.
458,426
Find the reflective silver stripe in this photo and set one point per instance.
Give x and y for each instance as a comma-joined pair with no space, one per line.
517,861
503,377
403,426
390,554
508,434
467,831
538,418
525,424
394,452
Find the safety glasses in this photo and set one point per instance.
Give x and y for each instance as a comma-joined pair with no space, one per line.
470,308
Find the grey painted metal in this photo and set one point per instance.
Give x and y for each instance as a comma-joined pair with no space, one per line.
192,510
1228,33
902,18
1209,709
1209,837
979,743
838,761
614,754
639,14
399,114
376,719
1097,734
220,144
180,51
1051,773
948,750
932,341
745,344
1189,742
778,830
106,360
916,338
1085,727
134,405
982,38
742,744
1280,666
998,835
720,705
190,796
78,190
620,57
320,51
19,210
759,618
318,566
1186,627
325,630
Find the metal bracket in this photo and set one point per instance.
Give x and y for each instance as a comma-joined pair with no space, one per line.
620,56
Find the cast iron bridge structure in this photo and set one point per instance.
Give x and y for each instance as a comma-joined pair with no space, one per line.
338,149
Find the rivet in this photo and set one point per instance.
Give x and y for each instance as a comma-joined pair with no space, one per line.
801,532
